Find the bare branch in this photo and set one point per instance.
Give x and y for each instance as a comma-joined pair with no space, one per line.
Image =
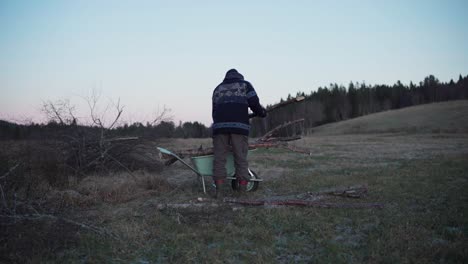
60,111
92,102
119,109
161,116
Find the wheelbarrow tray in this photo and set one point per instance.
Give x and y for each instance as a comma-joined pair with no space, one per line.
204,165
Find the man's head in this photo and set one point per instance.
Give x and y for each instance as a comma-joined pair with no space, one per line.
233,74
231,71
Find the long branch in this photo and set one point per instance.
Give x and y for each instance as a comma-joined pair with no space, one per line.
293,100
270,133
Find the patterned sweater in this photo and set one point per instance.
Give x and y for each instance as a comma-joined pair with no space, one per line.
231,100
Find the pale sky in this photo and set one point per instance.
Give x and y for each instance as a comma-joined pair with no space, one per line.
153,54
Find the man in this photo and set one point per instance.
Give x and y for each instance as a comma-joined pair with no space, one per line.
231,100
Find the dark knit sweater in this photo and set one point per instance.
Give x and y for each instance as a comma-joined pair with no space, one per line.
231,100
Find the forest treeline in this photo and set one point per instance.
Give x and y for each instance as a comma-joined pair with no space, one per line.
337,102
52,130
325,105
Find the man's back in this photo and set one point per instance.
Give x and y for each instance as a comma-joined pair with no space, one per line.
231,100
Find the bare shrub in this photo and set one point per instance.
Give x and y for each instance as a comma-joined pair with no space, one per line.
96,148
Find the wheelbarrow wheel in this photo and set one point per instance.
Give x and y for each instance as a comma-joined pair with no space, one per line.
251,186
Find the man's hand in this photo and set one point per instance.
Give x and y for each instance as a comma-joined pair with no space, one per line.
263,114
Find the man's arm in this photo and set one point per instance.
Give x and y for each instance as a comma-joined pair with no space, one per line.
254,101
213,106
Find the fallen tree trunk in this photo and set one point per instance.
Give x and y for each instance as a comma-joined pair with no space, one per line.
304,203
268,203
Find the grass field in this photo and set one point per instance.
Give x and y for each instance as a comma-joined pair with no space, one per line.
420,178
444,117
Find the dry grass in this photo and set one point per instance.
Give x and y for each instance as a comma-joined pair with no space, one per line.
420,178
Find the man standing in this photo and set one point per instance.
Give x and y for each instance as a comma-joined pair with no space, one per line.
231,100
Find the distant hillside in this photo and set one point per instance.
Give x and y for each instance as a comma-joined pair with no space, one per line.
446,117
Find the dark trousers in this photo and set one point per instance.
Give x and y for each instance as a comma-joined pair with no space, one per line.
222,145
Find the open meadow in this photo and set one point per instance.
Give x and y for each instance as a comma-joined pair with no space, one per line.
418,178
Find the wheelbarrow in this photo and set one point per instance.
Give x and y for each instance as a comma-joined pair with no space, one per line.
203,167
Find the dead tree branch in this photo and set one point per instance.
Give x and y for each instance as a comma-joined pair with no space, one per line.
272,132
60,111
281,104
161,116
119,110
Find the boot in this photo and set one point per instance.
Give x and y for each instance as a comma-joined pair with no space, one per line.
219,192
243,186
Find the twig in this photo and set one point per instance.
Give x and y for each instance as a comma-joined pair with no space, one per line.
10,171
123,166
4,199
